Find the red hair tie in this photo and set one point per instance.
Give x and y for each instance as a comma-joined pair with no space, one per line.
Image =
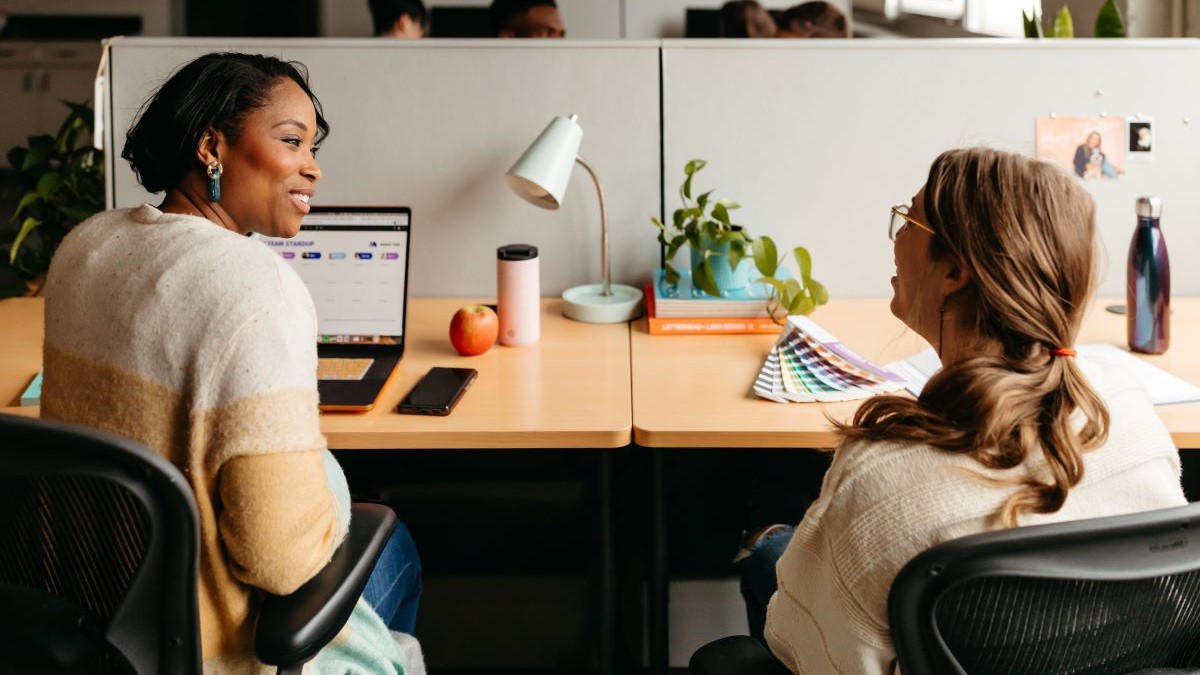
1062,351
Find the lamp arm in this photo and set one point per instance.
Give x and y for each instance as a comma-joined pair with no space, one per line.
605,276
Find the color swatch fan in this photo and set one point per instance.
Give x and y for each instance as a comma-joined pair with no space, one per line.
808,364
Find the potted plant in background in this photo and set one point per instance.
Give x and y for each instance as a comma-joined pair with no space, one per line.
718,249
60,182
1109,23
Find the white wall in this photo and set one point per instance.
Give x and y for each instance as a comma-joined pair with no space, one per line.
585,19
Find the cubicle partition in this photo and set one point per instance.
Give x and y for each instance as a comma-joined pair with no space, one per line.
434,125
818,139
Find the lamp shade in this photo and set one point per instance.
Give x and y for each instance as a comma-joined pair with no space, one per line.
540,176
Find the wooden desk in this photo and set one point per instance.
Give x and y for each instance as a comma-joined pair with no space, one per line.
695,391
572,390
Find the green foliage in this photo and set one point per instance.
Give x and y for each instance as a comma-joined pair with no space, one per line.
1063,26
1109,23
704,224
61,182
1033,24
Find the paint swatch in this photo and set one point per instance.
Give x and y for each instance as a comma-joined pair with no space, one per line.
807,363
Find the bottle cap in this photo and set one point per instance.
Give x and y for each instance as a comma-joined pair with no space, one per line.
1149,207
517,252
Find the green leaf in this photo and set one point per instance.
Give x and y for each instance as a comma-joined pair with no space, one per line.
48,184
77,213
29,198
1063,26
672,274
778,286
1033,24
1109,23
702,277
729,204
720,213
820,294
766,259
37,154
737,250
658,223
674,245
677,218
16,157
690,170
28,226
804,261
702,200
801,305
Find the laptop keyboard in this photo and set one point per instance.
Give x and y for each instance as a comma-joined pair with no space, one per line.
343,369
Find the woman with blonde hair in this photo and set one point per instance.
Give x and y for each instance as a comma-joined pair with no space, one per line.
995,267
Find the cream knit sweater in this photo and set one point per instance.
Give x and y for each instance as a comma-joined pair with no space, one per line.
201,344
881,504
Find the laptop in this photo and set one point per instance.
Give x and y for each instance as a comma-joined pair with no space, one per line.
354,261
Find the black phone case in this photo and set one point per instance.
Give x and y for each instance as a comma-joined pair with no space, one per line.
442,409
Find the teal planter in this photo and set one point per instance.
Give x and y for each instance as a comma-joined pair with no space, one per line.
729,281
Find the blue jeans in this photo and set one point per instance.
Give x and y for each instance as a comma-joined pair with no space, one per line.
758,577
394,587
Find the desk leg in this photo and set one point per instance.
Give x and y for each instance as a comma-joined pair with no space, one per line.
608,576
659,590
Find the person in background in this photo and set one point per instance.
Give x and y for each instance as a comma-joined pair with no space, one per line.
405,19
813,20
746,19
173,326
996,259
527,19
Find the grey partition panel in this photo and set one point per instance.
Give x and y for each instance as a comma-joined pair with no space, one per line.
434,126
817,139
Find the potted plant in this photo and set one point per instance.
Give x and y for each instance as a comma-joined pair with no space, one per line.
60,180
717,247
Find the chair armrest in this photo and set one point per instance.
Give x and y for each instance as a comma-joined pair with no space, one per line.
735,655
292,628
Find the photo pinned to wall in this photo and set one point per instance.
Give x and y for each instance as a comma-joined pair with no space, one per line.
1092,147
1141,138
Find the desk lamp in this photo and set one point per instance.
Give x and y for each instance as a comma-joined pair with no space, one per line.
540,177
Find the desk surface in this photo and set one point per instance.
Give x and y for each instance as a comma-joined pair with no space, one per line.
695,391
572,390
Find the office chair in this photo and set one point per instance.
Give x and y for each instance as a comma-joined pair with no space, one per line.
99,544
1101,596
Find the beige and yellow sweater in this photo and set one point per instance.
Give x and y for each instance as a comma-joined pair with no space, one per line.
201,344
881,504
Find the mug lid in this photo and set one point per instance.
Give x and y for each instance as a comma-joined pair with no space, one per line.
517,252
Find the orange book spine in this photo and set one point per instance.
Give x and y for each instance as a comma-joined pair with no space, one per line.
704,325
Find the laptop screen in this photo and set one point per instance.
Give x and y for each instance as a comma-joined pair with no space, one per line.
354,262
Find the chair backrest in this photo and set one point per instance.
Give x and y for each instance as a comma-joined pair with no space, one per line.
1098,596
98,553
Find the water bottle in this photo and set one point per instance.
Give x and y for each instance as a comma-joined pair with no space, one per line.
1148,284
518,296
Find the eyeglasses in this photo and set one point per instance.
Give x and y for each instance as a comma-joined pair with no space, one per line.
900,220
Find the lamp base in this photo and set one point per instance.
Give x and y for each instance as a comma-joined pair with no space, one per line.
584,303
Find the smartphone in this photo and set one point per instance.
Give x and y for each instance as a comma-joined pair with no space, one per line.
438,391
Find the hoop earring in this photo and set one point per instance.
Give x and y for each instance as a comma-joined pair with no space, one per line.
214,181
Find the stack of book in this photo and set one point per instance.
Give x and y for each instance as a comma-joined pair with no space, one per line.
680,312
808,363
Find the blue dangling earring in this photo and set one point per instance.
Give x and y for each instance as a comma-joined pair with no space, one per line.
214,181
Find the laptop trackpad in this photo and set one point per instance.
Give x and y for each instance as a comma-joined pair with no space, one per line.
343,369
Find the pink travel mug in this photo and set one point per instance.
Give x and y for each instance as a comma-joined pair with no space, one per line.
518,296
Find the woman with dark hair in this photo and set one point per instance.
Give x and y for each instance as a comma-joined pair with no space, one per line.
170,326
746,19
817,19
995,266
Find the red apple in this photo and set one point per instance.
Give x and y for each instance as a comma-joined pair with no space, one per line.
473,329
